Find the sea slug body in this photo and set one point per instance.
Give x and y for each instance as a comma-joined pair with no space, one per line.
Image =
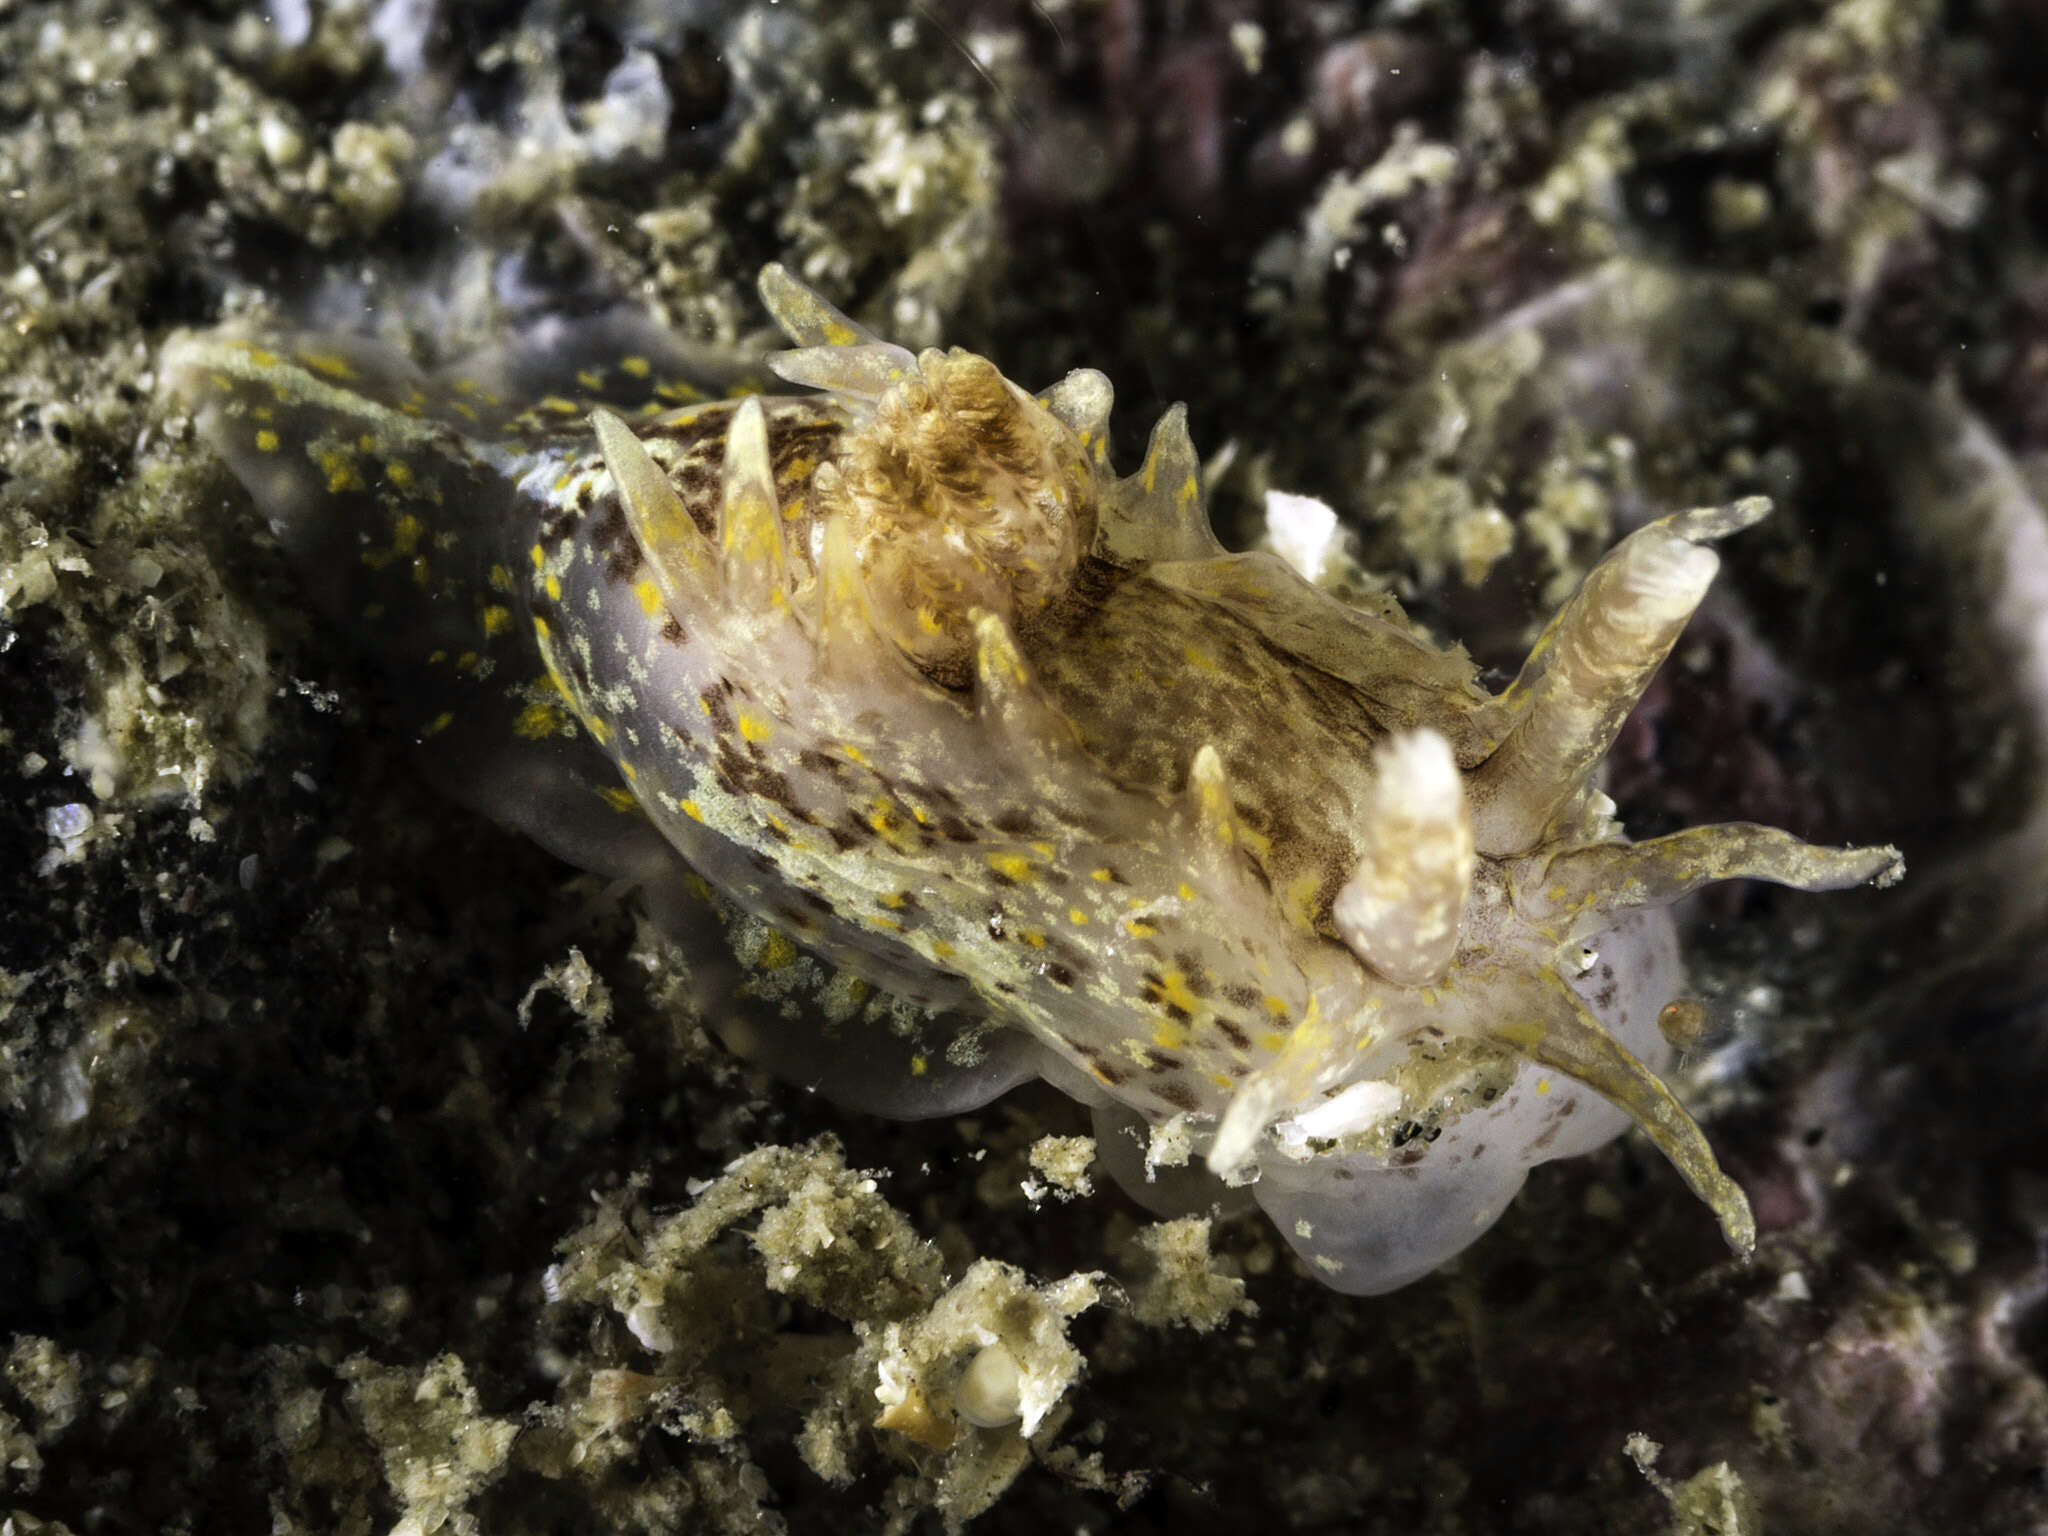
955,758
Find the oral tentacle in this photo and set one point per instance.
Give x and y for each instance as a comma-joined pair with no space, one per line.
1545,1021
1589,886
1588,669
805,317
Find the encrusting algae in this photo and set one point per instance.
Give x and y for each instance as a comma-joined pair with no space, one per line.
954,759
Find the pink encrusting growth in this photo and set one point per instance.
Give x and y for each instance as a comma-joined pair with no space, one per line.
985,762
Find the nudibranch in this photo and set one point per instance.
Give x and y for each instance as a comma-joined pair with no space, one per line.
952,758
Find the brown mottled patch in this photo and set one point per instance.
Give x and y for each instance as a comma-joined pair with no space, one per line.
1180,1096
702,493
1106,1069
612,537
557,522
953,829
744,775
1238,995
673,632
717,710
693,431
811,760
1234,1034
789,440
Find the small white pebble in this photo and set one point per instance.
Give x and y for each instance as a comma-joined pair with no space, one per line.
67,822
990,1394
283,145
646,1324
1302,530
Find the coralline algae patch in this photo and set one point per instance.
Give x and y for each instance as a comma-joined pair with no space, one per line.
957,759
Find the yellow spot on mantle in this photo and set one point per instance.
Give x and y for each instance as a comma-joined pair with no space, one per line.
1173,987
330,364
538,721
755,728
341,474
1012,866
266,441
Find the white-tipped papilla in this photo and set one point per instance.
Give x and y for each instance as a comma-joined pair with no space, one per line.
1400,909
